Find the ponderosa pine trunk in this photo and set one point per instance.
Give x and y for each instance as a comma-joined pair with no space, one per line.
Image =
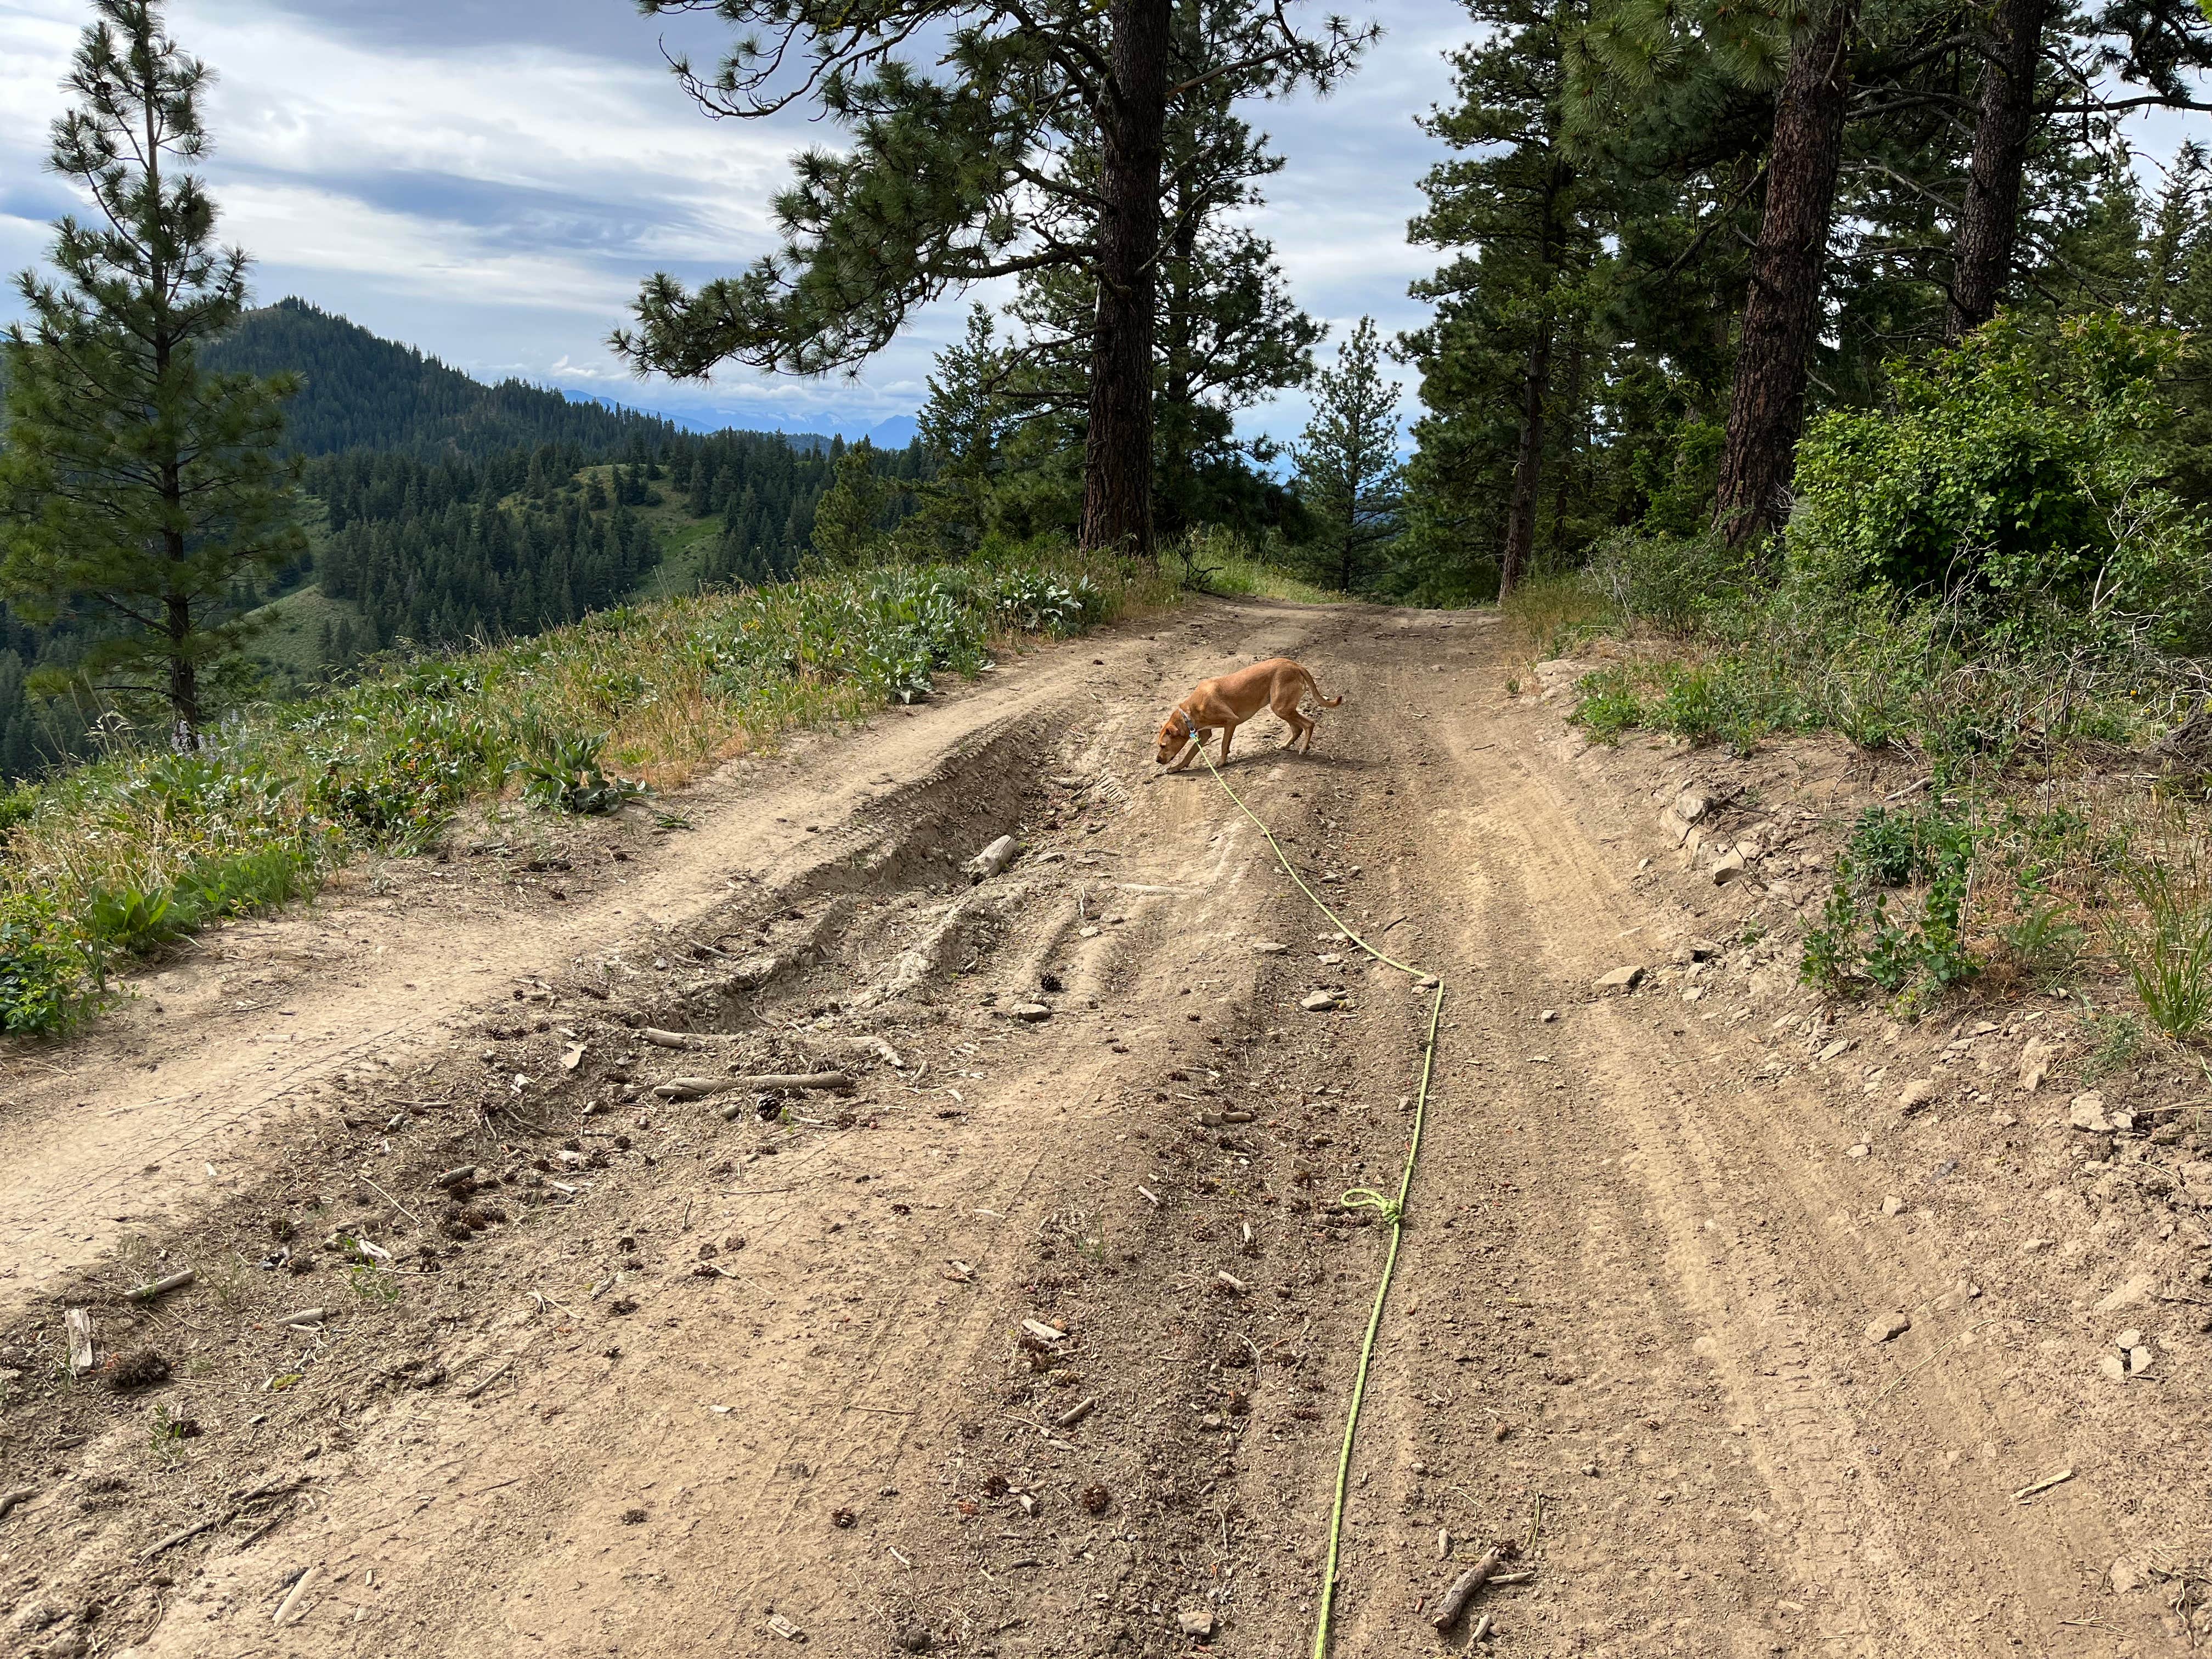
1535,388
1527,462
1989,220
1782,313
1117,459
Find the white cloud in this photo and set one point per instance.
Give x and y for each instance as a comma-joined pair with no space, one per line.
496,202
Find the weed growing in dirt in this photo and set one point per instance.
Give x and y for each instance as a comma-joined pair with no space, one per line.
2169,958
113,861
1861,940
2116,1042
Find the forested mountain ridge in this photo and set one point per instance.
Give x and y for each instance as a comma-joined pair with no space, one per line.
444,511
363,391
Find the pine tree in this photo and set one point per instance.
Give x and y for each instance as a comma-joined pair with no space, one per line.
1520,202
136,482
979,172
1348,472
849,517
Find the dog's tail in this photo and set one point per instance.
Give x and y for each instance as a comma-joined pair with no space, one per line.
1314,685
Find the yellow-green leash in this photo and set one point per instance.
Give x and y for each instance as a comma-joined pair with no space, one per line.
1392,1210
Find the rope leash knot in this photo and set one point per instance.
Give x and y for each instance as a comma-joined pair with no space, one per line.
1366,1198
1392,1209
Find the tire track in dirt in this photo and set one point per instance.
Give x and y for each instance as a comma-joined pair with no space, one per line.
1627,1252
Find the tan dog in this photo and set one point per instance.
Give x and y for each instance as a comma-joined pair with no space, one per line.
1229,702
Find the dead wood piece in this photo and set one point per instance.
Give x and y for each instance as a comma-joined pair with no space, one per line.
77,1322
1481,1630
10,1500
698,1088
455,1177
661,1039
184,1535
1076,1414
159,1287
284,1609
1455,1599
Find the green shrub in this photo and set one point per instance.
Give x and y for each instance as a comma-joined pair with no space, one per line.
1860,937
42,970
1675,583
561,770
2016,475
1609,704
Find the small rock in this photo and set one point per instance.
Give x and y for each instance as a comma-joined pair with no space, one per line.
2035,1057
1690,805
1859,1150
1837,1049
1888,1329
1729,867
1915,1095
1891,1205
916,1638
1320,1002
1195,1622
1548,1014
2034,1246
1035,1012
1268,947
1620,979
2139,1361
1700,949
993,858
1329,959
2003,1120
2127,1575
2087,1113
2114,1367
2130,1338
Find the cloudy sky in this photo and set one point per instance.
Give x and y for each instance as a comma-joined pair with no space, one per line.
488,179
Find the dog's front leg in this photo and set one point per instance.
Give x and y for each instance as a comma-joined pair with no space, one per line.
1182,763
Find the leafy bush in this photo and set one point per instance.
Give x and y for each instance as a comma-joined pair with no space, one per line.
563,771
42,970
1609,704
2017,472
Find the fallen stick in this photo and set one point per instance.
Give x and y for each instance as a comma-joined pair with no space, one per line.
1076,1414
184,1535
661,1039
10,1500
454,1177
698,1088
299,1589
2043,1484
488,1379
1463,1588
1481,1630
147,1291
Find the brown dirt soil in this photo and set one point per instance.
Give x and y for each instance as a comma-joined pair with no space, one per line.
943,1363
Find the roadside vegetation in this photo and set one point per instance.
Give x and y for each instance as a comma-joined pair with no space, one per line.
1999,582
112,860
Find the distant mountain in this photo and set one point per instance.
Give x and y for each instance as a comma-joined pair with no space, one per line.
896,432
365,392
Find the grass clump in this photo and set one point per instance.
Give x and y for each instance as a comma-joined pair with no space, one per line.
2169,954
112,860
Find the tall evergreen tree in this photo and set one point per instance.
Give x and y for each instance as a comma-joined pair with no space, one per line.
976,173
134,482
1519,202
1348,472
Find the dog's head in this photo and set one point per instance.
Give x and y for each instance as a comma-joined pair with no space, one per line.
1174,733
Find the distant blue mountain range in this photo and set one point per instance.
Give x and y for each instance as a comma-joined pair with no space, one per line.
894,432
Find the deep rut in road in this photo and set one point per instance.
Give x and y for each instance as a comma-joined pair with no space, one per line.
947,1363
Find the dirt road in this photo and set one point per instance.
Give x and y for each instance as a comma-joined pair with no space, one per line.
946,1362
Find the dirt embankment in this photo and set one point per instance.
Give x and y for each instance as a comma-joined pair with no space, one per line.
945,1360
